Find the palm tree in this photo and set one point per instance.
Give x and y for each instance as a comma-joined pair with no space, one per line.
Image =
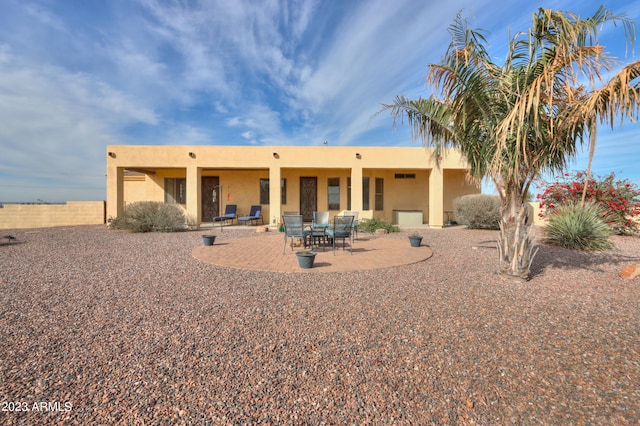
529,116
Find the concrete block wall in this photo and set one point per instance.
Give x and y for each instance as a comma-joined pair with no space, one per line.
20,216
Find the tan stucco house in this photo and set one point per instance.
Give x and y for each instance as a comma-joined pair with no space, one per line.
398,184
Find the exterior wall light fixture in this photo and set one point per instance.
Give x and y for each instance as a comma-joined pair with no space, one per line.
112,154
192,154
358,156
275,155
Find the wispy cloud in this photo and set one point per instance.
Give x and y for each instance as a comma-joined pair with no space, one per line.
75,77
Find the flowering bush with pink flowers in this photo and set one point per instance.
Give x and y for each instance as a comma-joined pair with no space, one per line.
619,198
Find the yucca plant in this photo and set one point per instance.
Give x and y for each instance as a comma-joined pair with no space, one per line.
581,227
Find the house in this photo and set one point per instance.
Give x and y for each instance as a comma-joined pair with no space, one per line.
398,184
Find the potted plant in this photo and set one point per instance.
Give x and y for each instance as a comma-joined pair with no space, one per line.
306,258
415,239
208,239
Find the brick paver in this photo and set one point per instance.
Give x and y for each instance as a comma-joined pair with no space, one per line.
263,252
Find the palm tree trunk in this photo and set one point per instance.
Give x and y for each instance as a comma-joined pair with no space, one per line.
515,244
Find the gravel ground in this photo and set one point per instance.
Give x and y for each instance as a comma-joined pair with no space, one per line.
104,327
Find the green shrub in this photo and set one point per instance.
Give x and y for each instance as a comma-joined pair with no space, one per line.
151,216
371,225
577,227
478,211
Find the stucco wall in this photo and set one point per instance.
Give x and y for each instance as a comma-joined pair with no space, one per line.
240,169
136,189
20,216
456,185
537,220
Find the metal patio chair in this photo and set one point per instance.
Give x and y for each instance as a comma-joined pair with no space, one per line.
293,228
342,229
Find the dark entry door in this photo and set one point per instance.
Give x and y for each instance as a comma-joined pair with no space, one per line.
308,197
210,198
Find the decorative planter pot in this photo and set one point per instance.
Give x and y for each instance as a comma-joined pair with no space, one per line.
415,241
305,259
208,239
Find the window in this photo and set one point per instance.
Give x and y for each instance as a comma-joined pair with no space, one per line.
379,194
333,193
175,190
405,176
264,191
283,191
365,193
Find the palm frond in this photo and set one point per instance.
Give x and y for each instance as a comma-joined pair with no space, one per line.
532,113
428,119
619,98
558,55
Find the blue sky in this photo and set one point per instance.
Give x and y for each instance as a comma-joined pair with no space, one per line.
76,75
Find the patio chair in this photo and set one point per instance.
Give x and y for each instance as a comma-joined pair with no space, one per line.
318,228
289,214
293,228
354,226
229,215
320,220
342,229
255,214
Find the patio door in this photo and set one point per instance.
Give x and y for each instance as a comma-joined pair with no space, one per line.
211,194
308,197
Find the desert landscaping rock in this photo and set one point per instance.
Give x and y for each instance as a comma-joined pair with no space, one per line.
630,271
107,327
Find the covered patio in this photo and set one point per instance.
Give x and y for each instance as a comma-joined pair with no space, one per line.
386,182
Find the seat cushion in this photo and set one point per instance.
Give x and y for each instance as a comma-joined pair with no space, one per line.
338,233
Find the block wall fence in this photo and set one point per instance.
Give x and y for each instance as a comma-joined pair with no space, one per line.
20,216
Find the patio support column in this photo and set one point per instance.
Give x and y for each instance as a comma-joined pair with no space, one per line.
356,189
436,198
275,200
194,193
115,191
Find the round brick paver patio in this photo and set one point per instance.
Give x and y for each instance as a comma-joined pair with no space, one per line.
263,252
